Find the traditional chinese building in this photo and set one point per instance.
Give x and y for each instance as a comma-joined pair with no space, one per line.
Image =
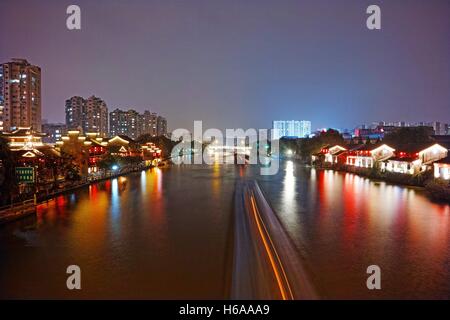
24,138
320,156
29,151
415,158
75,148
368,155
151,154
442,168
124,146
336,154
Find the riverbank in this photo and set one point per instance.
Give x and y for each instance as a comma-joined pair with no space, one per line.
17,211
27,207
436,189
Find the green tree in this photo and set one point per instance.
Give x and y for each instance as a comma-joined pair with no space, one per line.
72,172
107,162
313,145
408,135
8,182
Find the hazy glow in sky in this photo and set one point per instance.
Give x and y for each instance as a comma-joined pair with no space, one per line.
235,63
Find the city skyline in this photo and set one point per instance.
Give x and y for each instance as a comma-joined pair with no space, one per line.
225,150
280,66
86,106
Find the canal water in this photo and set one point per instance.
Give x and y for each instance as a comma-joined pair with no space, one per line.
168,234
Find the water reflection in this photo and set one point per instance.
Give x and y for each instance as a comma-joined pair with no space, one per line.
289,194
352,222
165,234
143,182
115,200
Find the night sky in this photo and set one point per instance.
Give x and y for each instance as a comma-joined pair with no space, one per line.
240,63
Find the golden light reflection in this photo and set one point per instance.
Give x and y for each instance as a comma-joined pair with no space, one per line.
215,181
143,180
158,182
289,188
154,202
115,200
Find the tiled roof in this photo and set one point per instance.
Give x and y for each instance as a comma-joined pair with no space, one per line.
412,147
403,159
23,132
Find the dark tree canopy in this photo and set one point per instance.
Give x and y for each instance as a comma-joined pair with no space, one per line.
8,181
312,145
407,135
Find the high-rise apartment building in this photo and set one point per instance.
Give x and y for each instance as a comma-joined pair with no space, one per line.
132,124
305,128
89,115
54,132
161,127
438,127
20,95
74,112
291,128
127,123
96,116
150,123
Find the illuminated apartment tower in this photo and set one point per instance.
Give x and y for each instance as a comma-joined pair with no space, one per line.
74,113
88,115
96,116
20,95
291,128
150,123
126,123
161,128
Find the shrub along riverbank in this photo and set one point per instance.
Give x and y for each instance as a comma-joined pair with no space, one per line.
437,189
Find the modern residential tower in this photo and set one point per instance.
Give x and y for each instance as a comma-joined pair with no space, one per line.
88,115
20,95
291,128
96,116
127,123
150,123
74,112
133,124
54,132
161,128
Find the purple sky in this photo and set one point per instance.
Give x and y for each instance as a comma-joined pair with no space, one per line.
240,63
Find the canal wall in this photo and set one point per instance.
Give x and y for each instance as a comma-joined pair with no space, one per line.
17,211
24,209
